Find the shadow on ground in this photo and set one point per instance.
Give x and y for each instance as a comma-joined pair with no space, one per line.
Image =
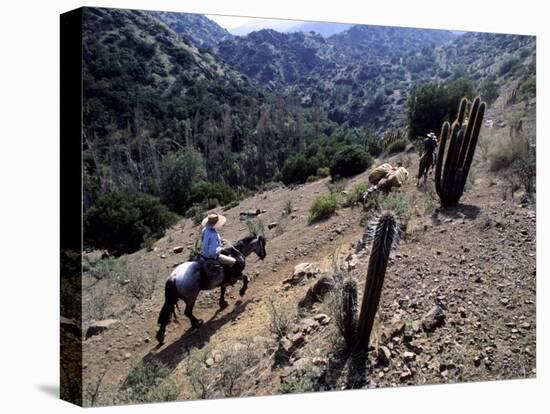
171,355
460,211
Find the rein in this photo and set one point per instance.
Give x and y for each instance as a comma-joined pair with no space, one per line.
231,246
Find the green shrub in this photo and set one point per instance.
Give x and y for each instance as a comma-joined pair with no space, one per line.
502,155
149,382
323,207
212,195
122,222
489,90
256,227
518,158
350,161
298,168
287,210
528,87
508,65
432,103
231,205
312,179
396,202
355,196
280,318
298,381
373,145
315,159
195,212
397,146
323,172
180,172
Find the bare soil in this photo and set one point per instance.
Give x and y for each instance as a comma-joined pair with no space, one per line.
476,260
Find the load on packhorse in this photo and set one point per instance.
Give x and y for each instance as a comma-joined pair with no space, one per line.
216,267
427,159
385,177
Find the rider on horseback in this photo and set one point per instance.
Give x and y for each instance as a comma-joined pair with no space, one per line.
430,145
211,246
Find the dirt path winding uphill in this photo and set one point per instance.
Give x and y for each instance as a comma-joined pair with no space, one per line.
477,261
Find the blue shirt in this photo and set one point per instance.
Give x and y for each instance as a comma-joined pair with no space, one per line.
211,243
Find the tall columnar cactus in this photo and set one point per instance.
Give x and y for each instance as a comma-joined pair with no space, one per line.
385,234
456,152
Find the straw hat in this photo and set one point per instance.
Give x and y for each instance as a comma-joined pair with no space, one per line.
214,220
431,135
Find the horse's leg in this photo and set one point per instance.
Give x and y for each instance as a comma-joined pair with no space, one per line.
195,323
242,291
174,314
223,302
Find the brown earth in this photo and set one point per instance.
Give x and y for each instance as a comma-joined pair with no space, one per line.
476,260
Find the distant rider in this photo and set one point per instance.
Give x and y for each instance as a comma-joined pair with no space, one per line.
430,145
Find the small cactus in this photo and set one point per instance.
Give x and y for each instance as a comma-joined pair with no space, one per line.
348,311
456,152
385,234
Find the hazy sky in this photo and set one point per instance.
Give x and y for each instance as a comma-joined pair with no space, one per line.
231,22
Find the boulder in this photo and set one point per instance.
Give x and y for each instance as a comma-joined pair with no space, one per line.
317,292
298,340
408,356
308,325
433,319
250,213
395,328
287,347
322,318
301,271
97,327
177,249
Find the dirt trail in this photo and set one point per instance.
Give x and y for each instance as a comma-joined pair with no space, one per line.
479,260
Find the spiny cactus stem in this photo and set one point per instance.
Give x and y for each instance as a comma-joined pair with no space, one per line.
473,142
385,234
450,153
462,110
440,154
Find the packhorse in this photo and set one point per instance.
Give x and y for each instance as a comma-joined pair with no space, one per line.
188,279
426,162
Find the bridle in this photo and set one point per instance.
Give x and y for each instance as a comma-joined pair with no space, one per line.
262,247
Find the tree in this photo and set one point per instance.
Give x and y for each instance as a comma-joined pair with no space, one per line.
123,222
433,103
350,160
489,90
180,171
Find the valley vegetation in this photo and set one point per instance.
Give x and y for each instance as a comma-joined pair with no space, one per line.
181,117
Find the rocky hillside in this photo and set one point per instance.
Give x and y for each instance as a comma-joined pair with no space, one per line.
458,302
275,59
149,92
152,87
365,74
195,28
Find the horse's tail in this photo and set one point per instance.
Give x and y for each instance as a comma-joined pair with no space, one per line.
171,298
170,301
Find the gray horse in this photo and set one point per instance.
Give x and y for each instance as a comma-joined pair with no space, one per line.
187,280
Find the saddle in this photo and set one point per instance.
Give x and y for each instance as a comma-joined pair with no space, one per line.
211,274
